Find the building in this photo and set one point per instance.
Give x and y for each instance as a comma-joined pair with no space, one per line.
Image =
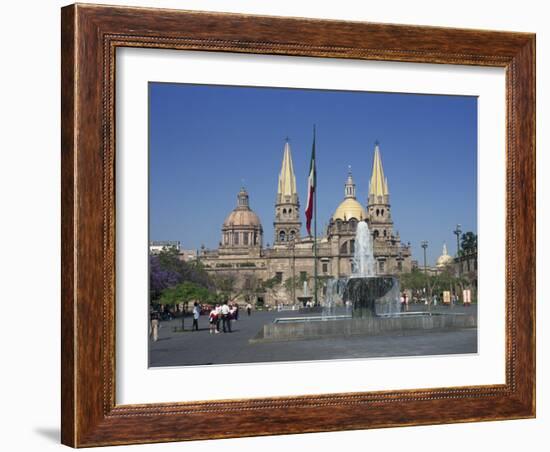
289,262
155,247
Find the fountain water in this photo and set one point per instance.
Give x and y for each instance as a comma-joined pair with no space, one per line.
363,256
368,294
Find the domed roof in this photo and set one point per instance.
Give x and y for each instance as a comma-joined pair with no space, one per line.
350,208
444,259
242,217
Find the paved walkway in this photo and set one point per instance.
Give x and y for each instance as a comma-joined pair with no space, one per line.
202,348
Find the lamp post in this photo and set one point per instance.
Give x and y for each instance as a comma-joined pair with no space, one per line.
457,232
424,245
291,246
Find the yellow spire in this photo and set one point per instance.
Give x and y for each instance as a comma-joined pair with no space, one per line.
287,179
378,183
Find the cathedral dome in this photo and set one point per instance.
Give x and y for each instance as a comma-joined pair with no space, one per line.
241,217
350,208
444,260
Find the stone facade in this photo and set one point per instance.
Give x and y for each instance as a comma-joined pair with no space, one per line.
291,258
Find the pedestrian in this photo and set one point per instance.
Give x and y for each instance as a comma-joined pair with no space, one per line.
226,322
236,311
402,300
248,309
196,315
154,330
218,317
213,321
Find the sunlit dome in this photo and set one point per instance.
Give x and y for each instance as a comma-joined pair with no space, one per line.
348,209
444,260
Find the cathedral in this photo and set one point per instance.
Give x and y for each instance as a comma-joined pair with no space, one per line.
242,254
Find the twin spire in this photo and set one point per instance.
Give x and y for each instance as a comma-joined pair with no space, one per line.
287,179
378,183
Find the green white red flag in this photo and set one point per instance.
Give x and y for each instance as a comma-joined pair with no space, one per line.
311,183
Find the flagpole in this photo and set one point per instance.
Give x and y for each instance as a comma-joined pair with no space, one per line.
316,301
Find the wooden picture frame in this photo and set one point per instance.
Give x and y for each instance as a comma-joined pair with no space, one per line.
90,36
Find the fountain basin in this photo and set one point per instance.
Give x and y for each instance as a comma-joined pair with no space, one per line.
373,295
297,328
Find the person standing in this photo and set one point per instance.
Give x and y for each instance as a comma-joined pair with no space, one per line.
248,309
212,320
196,315
226,322
154,327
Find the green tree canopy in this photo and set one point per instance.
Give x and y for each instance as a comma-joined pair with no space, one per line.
186,292
468,242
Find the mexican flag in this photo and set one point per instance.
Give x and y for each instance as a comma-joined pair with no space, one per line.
310,188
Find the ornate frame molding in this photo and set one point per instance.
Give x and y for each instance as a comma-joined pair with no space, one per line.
90,37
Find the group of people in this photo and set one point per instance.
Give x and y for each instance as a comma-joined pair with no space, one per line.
223,314
219,318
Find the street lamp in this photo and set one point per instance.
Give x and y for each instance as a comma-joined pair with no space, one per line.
291,246
424,244
457,232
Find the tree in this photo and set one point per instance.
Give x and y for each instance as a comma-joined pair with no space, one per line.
185,293
166,269
160,278
250,287
416,281
468,242
273,286
227,286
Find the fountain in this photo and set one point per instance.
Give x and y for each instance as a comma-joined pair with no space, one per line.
305,298
370,294
371,302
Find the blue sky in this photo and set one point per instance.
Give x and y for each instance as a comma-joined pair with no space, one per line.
206,141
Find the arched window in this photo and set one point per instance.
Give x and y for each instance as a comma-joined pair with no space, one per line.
284,211
291,235
289,211
352,246
377,212
235,238
344,248
384,233
282,236
382,212
376,233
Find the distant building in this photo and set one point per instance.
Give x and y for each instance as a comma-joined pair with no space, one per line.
188,255
242,253
155,247
466,263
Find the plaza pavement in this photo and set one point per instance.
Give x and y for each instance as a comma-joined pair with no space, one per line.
201,348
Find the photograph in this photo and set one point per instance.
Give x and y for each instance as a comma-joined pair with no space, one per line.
292,224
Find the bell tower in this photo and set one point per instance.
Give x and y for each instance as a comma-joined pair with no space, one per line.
378,206
287,222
